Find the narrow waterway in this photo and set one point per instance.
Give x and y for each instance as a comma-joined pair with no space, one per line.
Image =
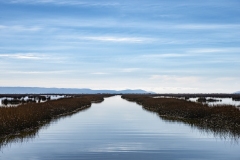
118,129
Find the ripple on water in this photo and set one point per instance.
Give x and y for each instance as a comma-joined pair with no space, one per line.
118,129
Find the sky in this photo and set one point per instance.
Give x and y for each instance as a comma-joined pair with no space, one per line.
186,46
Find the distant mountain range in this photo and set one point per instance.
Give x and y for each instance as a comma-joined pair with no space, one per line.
238,92
39,90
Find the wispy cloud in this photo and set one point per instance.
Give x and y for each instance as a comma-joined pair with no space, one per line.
165,55
174,78
206,26
42,72
99,73
110,22
110,38
128,70
65,2
188,52
136,43
214,50
30,56
2,27
173,89
118,39
20,28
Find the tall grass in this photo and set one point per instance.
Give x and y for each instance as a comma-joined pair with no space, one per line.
27,135
28,116
219,117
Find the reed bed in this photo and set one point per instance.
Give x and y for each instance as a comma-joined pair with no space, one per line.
219,117
29,116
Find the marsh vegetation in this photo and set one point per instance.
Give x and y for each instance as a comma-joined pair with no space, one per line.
14,120
224,118
117,129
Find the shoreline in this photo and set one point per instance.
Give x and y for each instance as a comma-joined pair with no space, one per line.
30,117
220,118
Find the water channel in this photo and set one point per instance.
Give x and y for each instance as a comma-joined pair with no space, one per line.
118,129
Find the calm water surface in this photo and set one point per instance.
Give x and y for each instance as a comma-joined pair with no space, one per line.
221,102
52,97
118,129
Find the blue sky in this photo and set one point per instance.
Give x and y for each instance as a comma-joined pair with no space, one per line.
185,46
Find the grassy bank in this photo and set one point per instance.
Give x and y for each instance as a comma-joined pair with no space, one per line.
218,118
28,116
28,135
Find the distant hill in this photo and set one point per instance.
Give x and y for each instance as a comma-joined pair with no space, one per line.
39,90
237,92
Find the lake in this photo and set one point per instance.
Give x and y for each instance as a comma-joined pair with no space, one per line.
221,101
118,129
35,99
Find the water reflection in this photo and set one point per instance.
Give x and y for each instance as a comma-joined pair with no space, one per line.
118,129
28,135
19,138
217,131
222,133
